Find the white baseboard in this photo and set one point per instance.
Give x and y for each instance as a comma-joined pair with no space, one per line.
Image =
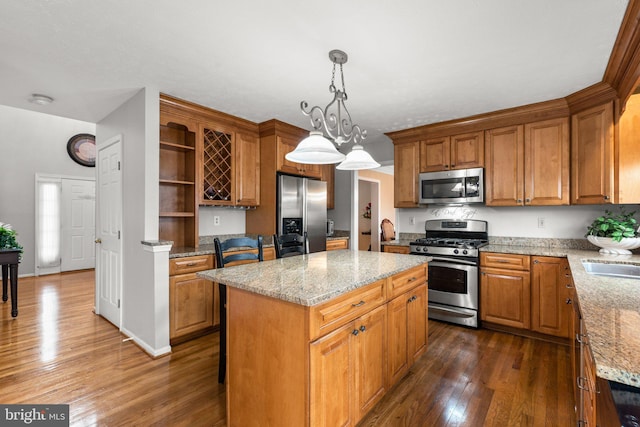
153,352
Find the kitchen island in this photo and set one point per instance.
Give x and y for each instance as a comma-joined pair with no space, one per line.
318,339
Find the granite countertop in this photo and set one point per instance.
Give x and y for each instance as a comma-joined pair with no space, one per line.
315,278
610,308
209,248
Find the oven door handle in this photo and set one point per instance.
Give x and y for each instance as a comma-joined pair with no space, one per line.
454,261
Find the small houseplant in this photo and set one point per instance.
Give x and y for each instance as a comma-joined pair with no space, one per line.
8,238
615,233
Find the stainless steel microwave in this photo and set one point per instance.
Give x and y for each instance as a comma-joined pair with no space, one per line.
460,186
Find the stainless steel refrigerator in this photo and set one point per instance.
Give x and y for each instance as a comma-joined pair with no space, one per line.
302,206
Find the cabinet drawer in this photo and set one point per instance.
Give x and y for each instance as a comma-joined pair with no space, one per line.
190,264
336,244
328,316
402,282
507,261
397,249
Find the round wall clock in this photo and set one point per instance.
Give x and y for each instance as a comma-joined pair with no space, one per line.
82,149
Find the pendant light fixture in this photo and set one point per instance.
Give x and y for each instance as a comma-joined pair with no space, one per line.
334,121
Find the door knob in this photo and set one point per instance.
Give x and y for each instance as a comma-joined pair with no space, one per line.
98,240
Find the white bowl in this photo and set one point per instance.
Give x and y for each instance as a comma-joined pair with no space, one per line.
609,246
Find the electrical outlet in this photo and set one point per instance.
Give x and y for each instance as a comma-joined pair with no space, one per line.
216,220
541,222
412,220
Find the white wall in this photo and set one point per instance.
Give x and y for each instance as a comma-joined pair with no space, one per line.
232,221
145,296
341,214
563,222
33,143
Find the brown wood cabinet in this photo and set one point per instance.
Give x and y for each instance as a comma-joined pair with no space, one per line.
229,166
593,399
505,293
407,331
452,152
329,176
551,289
178,207
335,244
206,157
405,166
592,158
342,396
528,164
329,360
191,301
397,249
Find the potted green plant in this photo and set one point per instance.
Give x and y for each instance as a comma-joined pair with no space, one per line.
615,233
8,239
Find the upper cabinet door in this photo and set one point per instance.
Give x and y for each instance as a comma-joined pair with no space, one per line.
547,162
592,152
435,154
247,170
467,150
405,166
452,152
504,172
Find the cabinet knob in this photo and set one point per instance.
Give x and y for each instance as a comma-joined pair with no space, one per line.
519,200
606,197
453,166
527,200
568,301
536,261
355,332
363,328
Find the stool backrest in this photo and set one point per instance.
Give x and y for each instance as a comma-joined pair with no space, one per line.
226,259
291,244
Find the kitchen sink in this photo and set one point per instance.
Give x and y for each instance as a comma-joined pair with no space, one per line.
622,270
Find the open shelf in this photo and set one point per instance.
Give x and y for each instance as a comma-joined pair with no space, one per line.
174,182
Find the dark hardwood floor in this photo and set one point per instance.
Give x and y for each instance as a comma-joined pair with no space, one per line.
58,351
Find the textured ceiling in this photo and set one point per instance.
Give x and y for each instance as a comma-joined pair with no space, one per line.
410,63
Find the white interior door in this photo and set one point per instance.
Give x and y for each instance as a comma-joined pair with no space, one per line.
78,224
108,230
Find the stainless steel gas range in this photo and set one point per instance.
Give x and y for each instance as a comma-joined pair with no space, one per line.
453,274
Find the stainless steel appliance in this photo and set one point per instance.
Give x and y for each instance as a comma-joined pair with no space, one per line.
329,228
459,186
302,206
453,273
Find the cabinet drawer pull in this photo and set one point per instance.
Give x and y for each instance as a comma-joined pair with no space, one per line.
191,264
360,304
580,383
504,261
413,279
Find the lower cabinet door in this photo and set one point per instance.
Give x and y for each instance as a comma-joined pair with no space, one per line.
398,358
332,372
417,323
371,366
505,297
191,302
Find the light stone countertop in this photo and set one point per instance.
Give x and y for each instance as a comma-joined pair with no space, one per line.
315,278
610,308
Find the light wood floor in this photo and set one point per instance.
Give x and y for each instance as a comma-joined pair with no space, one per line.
58,351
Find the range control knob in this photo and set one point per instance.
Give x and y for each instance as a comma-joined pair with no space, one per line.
455,251
418,248
465,252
